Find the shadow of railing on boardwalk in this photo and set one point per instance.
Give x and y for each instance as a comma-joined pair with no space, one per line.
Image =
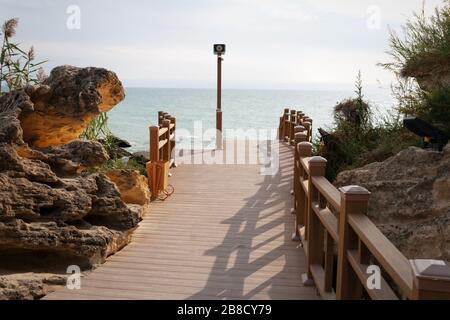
236,287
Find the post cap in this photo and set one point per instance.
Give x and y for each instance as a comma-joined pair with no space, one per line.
354,193
316,161
299,129
300,136
354,190
304,145
431,275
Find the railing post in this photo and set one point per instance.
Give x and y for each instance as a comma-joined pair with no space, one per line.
354,200
281,128
292,123
308,126
166,148
302,149
286,125
431,279
160,117
314,234
297,139
154,143
173,121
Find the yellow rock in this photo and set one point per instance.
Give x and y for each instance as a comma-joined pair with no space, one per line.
132,185
69,99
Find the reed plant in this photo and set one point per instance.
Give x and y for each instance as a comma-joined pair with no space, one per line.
18,67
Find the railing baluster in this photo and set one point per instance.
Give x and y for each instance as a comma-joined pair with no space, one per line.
354,200
313,228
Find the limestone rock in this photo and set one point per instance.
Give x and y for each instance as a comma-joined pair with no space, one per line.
69,99
141,158
46,206
28,285
431,70
30,190
70,158
132,185
410,200
86,246
139,210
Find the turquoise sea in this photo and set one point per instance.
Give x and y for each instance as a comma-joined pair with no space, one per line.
242,109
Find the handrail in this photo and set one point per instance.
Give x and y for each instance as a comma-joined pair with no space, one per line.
162,153
393,261
162,139
162,131
162,143
327,217
326,189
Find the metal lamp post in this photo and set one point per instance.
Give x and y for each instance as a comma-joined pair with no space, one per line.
219,50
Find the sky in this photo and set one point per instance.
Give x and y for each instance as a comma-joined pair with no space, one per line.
271,44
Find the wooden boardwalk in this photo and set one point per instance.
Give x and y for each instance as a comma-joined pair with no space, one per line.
224,234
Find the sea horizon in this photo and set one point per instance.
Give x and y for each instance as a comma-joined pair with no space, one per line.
243,109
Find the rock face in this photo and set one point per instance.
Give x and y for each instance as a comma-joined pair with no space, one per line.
133,186
431,70
410,200
46,206
27,286
69,99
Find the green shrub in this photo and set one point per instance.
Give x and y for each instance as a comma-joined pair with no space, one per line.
421,61
355,140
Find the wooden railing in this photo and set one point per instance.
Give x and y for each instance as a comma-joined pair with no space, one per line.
162,139
348,257
292,122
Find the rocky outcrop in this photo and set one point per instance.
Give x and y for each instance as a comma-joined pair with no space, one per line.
410,200
132,185
46,205
431,70
66,102
28,286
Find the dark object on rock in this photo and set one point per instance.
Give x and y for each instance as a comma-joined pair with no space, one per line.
121,143
429,133
140,158
331,150
325,136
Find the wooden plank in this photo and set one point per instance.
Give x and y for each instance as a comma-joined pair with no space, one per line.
330,192
318,275
383,293
162,131
328,220
305,163
390,258
162,143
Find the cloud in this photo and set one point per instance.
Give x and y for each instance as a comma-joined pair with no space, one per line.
272,43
